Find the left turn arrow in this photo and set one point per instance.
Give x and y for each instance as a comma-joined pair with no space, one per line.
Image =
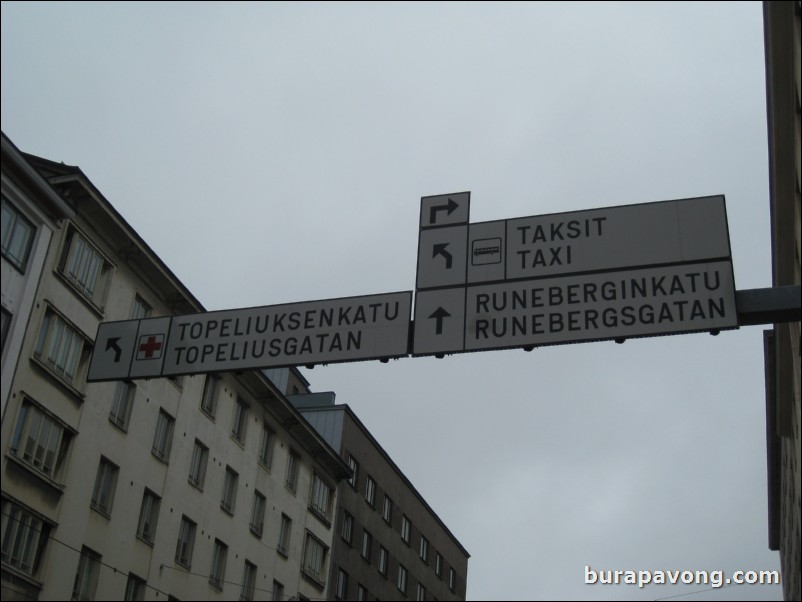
112,344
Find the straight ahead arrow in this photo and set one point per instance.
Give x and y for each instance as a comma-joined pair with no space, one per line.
438,315
440,249
450,207
112,344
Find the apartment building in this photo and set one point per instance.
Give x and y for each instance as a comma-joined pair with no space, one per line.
783,40
31,212
389,543
195,487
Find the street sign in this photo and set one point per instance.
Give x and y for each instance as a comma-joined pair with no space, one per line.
512,265
608,305
328,331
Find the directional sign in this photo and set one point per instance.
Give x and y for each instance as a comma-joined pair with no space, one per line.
334,330
445,209
439,321
442,256
610,305
575,276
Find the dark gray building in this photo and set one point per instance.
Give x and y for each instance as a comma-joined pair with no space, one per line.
388,542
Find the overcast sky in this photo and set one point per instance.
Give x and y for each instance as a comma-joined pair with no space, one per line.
277,152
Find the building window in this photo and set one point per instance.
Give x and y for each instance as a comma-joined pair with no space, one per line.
17,235
5,322
278,591
86,577
105,484
283,546
163,438
293,460
367,545
405,528
420,594
186,542
240,421
61,348
438,564
258,514
209,399
424,549
121,404
315,553
248,581
266,446
39,440
197,466
347,530
24,538
341,591
219,557
148,516
135,588
229,490
321,497
452,579
402,579
383,558
85,268
354,466
370,491
387,510
361,593
140,309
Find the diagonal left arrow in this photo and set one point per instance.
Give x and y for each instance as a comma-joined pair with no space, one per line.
440,249
112,344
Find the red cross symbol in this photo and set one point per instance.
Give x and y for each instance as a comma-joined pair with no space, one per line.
150,346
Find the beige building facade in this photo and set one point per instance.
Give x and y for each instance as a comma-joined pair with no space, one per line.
195,487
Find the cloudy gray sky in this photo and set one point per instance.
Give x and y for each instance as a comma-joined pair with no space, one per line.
277,152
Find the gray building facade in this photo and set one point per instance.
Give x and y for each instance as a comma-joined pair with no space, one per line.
389,544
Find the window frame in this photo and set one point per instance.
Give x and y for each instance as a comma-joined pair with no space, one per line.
50,351
59,448
211,390
86,575
239,423
406,529
293,468
197,465
370,491
10,211
122,404
185,543
163,436
217,572
284,535
257,523
321,498
105,486
315,557
24,537
95,266
148,517
403,578
230,485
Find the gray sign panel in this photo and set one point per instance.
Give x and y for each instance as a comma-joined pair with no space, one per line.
441,257
439,321
611,305
618,237
334,330
445,209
